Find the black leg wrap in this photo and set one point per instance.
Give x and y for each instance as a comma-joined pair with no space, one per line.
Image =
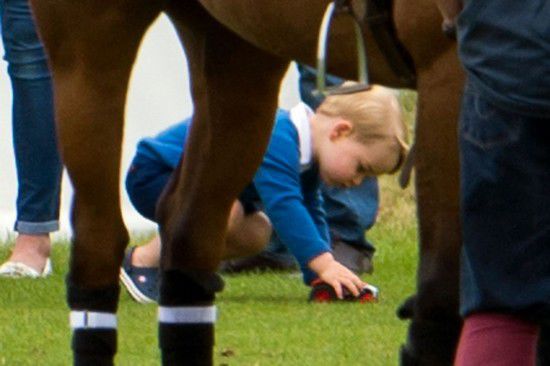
178,288
431,343
187,343
406,309
103,299
406,358
93,346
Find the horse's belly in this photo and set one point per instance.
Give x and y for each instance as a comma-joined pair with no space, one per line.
289,29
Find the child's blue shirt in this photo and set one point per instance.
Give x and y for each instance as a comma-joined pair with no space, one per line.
287,181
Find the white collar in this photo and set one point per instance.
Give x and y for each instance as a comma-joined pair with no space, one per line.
300,116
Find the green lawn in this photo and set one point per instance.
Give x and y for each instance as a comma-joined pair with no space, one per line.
264,319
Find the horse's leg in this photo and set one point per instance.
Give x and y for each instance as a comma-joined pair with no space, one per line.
92,45
234,88
543,351
435,326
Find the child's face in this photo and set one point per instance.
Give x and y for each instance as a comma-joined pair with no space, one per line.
345,161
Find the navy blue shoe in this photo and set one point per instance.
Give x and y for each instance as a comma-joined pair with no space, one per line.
141,282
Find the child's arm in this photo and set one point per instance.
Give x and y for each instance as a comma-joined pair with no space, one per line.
313,201
278,184
325,266
282,200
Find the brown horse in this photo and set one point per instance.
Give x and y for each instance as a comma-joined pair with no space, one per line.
238,51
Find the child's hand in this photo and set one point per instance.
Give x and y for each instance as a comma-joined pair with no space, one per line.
336,275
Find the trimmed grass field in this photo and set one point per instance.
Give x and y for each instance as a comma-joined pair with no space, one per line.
264,319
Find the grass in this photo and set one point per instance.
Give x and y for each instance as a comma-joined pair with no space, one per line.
264,319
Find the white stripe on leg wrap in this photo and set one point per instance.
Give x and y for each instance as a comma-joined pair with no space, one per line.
187,314
92,320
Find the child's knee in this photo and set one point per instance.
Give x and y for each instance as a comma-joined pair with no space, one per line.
260,230
248,235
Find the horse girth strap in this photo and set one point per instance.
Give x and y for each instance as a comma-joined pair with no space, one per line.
378,16
353,7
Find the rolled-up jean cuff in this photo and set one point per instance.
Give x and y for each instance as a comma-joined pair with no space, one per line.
25,227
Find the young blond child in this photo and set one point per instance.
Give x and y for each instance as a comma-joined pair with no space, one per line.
348,138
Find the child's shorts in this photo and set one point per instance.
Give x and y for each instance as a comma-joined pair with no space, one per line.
146,179
505,208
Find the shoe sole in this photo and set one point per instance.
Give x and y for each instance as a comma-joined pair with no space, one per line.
134,292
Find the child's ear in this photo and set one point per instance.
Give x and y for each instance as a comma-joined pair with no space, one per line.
341,128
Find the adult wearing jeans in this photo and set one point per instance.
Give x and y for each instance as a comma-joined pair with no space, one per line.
350,211
37,160
505,174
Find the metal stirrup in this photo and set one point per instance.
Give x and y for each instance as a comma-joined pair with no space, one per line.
322,90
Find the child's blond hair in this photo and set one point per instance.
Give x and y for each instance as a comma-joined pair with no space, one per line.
374,113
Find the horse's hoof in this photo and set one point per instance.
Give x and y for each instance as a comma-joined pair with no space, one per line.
409,358
431,343
406,358
406,309
543,352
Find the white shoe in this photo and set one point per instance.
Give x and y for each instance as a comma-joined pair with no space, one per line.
21,270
